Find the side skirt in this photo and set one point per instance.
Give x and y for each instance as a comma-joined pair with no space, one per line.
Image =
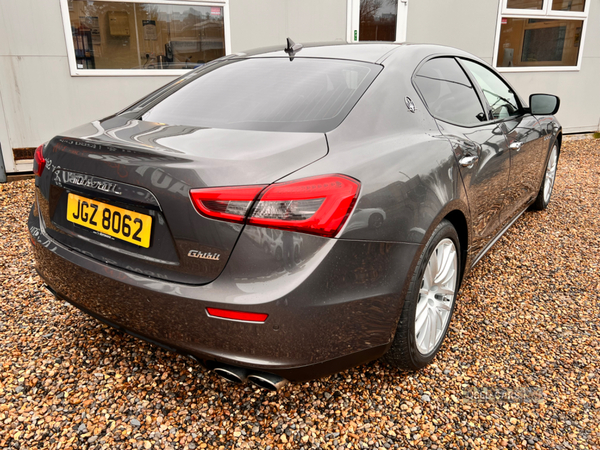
498,236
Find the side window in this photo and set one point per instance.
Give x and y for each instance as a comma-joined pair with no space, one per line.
448,93
502,100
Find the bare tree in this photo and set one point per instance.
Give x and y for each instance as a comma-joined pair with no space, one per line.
369,8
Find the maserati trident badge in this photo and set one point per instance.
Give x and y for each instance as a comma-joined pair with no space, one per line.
409,104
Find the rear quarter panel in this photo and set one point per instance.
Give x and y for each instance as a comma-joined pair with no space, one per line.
407,169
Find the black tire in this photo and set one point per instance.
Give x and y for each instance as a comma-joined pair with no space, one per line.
404,352
542,200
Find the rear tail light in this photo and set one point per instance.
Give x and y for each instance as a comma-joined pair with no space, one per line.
316,205
226,203
38,161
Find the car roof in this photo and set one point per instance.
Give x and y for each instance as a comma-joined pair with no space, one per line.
367,52
371,52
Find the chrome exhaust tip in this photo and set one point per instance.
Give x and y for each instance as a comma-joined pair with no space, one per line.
267,381
231,373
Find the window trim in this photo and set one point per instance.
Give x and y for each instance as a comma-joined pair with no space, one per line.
545,12
75,72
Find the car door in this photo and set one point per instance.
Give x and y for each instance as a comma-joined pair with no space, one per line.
523,134
479,144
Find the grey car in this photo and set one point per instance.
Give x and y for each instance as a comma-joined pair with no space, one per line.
286,214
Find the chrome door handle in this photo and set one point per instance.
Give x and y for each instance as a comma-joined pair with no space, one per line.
515,145
468,161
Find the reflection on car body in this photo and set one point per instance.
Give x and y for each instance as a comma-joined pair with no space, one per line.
367,218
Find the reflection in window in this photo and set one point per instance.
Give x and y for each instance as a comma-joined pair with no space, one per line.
124,35
267,94
448,92
525,4
539,42
568,5
502,100
378,20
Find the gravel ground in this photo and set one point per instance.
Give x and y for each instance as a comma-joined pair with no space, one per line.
520,367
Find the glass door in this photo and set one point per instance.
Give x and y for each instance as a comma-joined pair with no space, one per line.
378,20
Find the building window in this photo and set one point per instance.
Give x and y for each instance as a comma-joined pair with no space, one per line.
540,34
134,37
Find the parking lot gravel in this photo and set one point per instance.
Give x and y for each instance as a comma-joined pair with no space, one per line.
520,367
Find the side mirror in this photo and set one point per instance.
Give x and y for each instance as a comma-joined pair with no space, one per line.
543,104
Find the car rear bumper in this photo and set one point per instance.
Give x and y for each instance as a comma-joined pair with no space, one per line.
332,308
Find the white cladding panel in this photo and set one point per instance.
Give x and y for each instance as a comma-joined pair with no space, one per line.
263,23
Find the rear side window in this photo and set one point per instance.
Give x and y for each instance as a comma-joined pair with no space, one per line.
448,93
268,94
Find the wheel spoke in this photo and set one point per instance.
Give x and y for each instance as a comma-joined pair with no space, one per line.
447,269
445,291
432,331
440,322
433,267
423,335
421,317
442,305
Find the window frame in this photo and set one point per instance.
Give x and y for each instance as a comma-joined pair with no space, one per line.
75,72
548,13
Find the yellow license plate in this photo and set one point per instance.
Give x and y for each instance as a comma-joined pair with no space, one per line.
120,223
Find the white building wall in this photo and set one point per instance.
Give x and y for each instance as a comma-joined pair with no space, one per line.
466,24
39,98
262,23
471,26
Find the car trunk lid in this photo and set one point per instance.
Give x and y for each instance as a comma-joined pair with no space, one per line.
144,169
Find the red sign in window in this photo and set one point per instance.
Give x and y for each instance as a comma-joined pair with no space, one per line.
215,11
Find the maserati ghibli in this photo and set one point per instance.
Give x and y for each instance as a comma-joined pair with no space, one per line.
289,213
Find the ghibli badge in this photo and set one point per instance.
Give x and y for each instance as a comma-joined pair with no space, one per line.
200,255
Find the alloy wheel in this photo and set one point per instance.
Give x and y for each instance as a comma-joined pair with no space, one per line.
436,296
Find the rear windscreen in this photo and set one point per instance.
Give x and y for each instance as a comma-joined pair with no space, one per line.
268,94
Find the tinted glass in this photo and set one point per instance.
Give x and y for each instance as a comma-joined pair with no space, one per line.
271,94
448,92
502,100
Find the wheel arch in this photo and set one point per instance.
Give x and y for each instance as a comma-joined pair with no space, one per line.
457,213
